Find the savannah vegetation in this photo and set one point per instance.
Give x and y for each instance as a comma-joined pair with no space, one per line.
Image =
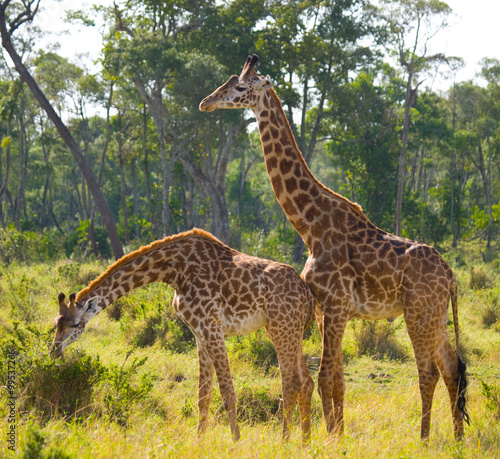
137,155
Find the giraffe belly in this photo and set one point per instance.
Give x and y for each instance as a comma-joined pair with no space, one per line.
242,324
373,311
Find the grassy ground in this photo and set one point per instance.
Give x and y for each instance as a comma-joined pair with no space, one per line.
138,388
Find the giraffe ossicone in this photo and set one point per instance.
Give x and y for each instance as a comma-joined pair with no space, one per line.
354,269
218,292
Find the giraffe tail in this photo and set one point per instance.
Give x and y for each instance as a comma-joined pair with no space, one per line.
310,313
454,309
462,377
462,389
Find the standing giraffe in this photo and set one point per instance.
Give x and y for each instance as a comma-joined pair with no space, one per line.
218,292
354,269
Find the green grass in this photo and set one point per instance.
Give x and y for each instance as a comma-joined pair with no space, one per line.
382,404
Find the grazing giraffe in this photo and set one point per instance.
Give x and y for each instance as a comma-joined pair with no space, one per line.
218,292
354,269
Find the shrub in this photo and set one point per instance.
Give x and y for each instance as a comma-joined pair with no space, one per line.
378,340
178,337
255,348
69,273
491,310
258,404
52,386
34,446
492,395
479,278
163,325
27,246
122,392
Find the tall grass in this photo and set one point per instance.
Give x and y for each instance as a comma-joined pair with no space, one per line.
128,387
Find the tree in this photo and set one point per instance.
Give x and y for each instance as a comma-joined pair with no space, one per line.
9,23
411,26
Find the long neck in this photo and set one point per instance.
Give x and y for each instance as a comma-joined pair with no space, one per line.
155,266
298,192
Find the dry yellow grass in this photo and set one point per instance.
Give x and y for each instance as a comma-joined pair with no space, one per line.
382,406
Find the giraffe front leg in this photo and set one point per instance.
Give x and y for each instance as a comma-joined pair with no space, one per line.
205,386
331,382
305,395
217,352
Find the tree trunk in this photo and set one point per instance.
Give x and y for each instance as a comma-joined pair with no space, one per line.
22,167
123,185
5,179
145,152
485,171
401,167
73,146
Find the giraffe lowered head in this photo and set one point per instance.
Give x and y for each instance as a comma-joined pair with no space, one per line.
242,91
71,321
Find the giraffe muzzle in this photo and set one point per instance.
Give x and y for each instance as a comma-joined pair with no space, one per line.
205,105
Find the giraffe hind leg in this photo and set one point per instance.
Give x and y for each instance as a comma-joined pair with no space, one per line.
331,381
205,386
296,382
423,339
452,368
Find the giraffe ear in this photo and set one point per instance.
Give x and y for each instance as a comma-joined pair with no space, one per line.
62,305
71,306
265,83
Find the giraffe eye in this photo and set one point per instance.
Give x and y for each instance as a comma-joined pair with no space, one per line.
75,325
240,88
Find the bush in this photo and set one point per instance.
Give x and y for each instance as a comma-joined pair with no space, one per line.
378,340
492,395
178,337
121,392
258,405
255,348
69,273
479,278
52,386
491,310
147,325
34,446
27,246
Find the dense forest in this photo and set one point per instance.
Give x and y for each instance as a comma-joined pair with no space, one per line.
133,159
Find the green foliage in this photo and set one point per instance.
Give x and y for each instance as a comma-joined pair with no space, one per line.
35,446
276,245
21,297
70,272
258,404
377,339
52,386
491,310
254,348
121,392
28,246
492,394
79,239
479,278
177,338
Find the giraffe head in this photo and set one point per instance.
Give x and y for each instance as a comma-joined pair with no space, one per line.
242,91
71,320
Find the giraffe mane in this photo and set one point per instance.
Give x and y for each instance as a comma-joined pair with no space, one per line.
143,251
354,206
